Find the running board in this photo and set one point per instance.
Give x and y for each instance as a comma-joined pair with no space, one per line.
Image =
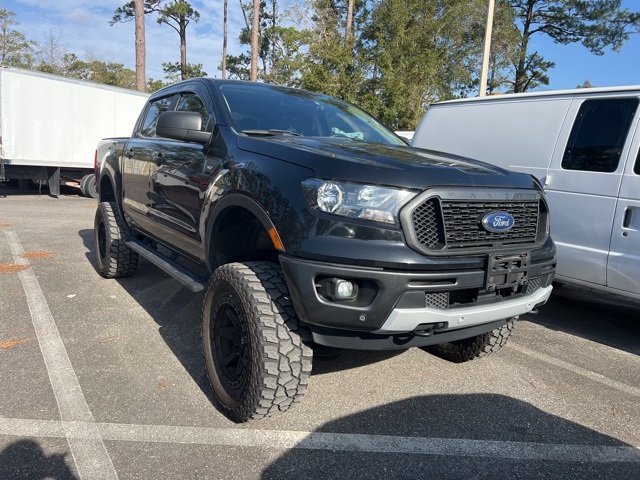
192,282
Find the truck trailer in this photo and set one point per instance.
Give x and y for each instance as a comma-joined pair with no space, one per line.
50,125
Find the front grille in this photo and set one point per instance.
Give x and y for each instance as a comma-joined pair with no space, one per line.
427,224
463,223
437,224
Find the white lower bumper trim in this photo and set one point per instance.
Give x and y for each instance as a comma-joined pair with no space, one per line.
402,320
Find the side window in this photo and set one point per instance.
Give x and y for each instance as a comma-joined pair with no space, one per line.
598,135
636,168
190,102
155,109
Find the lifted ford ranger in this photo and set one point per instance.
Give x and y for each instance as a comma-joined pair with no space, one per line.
309,223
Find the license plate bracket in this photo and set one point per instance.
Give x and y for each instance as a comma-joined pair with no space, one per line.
507,271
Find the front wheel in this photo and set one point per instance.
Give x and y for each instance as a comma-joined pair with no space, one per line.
475,347
255,350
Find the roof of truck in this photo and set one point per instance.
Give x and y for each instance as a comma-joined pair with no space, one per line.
551,93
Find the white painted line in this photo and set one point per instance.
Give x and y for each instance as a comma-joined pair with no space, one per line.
596,377
342,442
89,453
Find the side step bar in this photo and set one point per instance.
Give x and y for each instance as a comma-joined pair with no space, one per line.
192,282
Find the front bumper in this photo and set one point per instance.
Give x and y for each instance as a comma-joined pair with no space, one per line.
392,302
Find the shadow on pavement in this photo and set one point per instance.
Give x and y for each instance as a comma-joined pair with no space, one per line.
25,460
595,316
467,424
178,313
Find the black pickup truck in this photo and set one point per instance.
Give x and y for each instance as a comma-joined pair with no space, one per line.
309,223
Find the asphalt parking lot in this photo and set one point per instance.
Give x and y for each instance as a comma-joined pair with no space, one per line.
104,379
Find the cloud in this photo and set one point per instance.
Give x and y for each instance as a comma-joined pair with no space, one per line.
79,15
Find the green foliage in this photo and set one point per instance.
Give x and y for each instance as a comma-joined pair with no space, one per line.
281,49
176,14
238,67
126,13
335,65
420,52
155,85
175,72
586,84
401,56
15,49
107,73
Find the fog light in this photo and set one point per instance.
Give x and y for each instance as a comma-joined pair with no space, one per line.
344,289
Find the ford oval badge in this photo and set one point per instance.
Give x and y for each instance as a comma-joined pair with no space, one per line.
498,222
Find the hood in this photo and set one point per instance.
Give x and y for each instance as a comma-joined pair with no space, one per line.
379,164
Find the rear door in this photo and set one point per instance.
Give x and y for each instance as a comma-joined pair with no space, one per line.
624,259
583,184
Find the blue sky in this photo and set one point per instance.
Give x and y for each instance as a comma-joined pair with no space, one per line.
84,25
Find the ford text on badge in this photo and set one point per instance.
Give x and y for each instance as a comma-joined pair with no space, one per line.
498,222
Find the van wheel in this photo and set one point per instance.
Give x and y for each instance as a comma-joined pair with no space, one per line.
255,350
475,347
114,258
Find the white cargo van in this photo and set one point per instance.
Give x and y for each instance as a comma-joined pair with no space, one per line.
583,145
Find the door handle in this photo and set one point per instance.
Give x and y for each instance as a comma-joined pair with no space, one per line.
158,158
628,214
129,153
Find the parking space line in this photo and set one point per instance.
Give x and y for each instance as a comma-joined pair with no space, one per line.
87,448
342,442
596,377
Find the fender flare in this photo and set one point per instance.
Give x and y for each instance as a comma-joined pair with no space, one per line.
114,178
243,201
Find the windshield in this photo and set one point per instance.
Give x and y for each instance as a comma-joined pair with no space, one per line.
260,109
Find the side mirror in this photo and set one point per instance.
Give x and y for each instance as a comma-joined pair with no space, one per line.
183,126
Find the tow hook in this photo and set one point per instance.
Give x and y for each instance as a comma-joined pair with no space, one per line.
427,329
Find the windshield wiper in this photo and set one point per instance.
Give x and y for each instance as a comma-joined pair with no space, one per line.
271,132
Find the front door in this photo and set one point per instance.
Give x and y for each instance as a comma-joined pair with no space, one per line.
179,181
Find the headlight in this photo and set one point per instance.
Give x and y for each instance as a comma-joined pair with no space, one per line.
353,200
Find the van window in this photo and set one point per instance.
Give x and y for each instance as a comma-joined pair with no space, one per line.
636,168
598,135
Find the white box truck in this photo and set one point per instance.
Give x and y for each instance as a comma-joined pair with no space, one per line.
50,125
584,146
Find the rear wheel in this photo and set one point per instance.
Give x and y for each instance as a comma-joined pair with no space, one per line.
88,186
114,258
474,347
255,350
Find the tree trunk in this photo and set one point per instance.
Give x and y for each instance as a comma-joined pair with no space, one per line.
348,30
254,40
141,60
521,71
519,85
183,48
224,41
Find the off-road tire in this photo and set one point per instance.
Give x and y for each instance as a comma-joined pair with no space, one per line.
256,351
113,257
475,347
